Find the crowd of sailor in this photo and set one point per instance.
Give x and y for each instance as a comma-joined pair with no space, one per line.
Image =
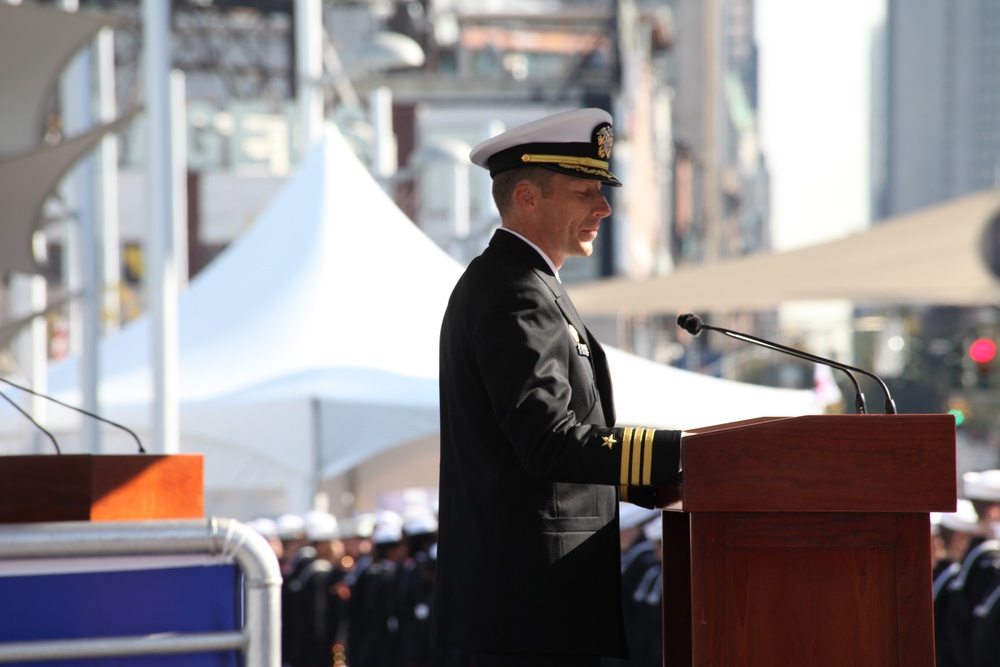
358,592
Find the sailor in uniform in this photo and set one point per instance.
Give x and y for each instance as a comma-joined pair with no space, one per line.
977,577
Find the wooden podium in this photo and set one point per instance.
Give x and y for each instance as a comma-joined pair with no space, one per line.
100,487
806,541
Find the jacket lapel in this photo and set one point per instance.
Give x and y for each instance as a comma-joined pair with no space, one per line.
598,358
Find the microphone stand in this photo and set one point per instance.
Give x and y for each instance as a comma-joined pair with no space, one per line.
695,322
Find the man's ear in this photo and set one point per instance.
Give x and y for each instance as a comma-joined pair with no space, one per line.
524,195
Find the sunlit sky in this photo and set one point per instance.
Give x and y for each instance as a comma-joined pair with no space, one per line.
815,78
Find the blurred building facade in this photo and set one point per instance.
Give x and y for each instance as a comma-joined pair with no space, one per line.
936,104
679,77
935,137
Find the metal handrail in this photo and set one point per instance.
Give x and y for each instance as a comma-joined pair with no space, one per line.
260,638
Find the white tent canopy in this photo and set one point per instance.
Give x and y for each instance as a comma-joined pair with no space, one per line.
933,256
309,348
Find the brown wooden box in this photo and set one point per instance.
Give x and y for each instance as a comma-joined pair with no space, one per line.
100,487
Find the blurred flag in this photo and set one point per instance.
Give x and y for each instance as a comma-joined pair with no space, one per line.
827,392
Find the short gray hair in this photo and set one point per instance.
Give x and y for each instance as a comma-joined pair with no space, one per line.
505,182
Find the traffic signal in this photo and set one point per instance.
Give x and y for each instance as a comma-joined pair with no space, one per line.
958,406
982,352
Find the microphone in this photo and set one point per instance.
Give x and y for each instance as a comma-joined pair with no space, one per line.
32,420
694,325
142,450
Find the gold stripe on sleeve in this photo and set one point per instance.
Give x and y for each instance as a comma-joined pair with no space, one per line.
647,457
636,455
623,492
626,453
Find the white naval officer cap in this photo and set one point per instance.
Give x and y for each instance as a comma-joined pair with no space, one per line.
577,143
983,485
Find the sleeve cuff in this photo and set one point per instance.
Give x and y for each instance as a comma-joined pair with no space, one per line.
650,457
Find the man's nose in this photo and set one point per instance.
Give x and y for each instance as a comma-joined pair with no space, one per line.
604,209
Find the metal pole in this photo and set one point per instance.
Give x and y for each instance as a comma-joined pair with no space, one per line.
108,193
178,162
383,151
309,66
81,259
162,264
28,295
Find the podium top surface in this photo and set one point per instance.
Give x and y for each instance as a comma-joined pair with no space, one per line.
100,487
821,463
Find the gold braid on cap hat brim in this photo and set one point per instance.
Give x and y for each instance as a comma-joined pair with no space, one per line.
566,160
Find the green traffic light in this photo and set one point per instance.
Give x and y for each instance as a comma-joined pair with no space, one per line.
959,416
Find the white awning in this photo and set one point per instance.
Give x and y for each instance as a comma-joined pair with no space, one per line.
35,45
26,181
932,256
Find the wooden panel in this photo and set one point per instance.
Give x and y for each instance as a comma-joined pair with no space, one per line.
817,530
826,463
676,590
85,487
44,488
775,590
811,606
148,487
915,598
710,636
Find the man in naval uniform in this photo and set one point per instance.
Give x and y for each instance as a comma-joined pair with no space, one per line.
532,463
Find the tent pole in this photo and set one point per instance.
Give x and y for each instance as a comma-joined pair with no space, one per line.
162,265
317,466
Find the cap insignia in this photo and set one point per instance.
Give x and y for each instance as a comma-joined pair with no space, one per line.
605,139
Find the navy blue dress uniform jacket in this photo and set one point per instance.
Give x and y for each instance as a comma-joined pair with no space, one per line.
532,467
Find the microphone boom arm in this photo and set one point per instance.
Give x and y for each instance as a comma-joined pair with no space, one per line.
890,406
142,450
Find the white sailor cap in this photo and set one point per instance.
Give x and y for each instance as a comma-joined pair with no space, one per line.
387,533
422,523
653,530
359,525
983,485
265,527
321,526
290,526
632,516
963,520
577,143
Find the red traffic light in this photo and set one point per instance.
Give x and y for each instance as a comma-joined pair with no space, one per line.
982,350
